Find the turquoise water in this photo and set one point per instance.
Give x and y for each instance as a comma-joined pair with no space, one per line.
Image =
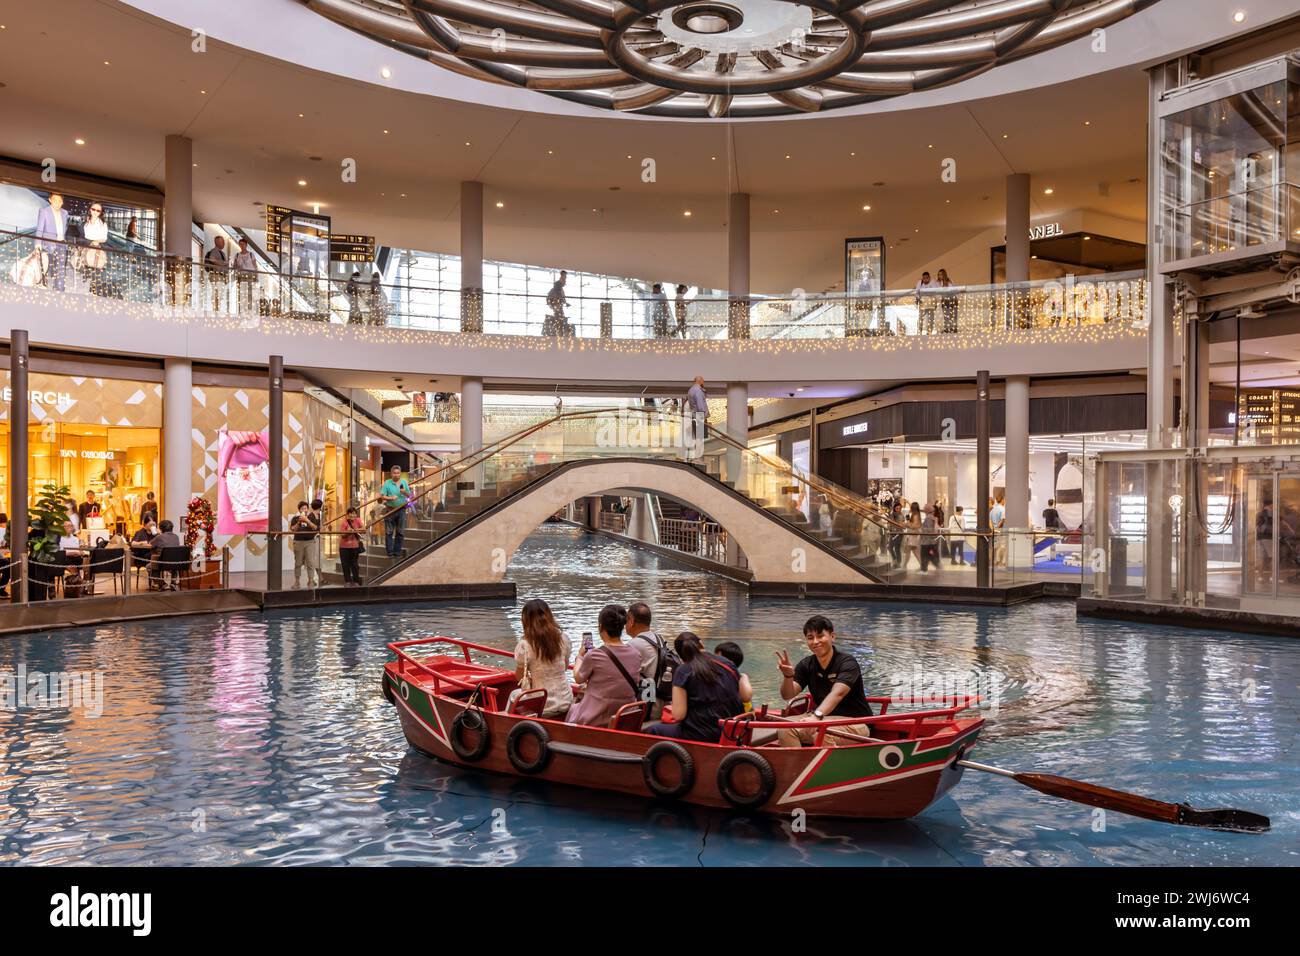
254,739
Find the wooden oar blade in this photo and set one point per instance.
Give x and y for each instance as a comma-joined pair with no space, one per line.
1138,806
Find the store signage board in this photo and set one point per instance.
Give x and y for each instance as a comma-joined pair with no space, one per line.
345,247
864,265
1046,230
274,216
41,398
860,428
87,453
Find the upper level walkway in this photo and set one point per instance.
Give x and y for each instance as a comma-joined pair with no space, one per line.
115,301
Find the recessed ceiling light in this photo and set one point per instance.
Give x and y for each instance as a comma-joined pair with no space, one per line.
1048,191
300,115
501,205
79,141
107,63
866,209
787,155
1239,16
931,146
776,210
386,73
195,165
713,158
302,182
1004,135
466,142
385,132
204,92
1087,238
403,195
550,152
1087,122
686,212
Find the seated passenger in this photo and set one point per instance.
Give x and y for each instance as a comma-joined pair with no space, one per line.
706,689
834,680
609,671
730,651
542,658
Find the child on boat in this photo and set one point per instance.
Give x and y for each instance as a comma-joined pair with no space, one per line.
730,651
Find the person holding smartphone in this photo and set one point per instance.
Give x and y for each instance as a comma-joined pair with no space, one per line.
609,669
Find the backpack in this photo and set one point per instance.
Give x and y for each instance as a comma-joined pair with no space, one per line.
666,662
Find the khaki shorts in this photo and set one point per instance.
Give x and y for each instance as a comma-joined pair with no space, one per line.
807,736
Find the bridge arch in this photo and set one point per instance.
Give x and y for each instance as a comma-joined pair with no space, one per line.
480,552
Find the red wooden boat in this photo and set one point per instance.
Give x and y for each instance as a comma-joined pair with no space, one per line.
456,709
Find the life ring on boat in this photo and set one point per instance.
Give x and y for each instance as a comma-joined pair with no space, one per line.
528,728
685,769
470,720
766,779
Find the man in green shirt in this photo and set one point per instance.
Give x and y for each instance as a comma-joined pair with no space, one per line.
394,495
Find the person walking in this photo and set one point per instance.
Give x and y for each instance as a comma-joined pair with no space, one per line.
957,537
679,306
395,493
556,302
95,232
659,311
352,292
378,301
697,411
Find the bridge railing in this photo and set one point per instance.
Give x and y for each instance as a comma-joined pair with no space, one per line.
1085,308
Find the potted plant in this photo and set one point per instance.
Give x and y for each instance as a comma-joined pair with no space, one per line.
47,516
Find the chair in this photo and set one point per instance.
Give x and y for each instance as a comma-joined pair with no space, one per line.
172,561
530,703
139,562
110,561
631,716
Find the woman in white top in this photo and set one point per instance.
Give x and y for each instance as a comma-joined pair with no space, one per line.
542,658
95,231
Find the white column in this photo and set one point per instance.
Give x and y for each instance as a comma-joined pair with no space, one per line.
471,424
178,381
471,256
1019,549
738,410
1018,227
738,265
178,201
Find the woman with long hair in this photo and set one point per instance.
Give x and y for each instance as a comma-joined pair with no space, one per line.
706,689
912,543
542,658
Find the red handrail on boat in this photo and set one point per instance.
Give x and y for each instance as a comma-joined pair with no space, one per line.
731,725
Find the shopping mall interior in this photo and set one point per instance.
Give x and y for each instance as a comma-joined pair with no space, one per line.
973,325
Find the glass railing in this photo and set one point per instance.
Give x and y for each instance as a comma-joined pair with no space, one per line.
1084,308
1233,222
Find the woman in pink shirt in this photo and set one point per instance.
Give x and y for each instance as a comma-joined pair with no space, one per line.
609,670
350,547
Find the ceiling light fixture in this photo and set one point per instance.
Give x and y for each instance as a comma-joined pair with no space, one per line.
1048,191
386,73
1239,16
79,141
686,212
866,209
302,182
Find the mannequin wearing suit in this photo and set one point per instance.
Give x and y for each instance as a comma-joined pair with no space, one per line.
52,224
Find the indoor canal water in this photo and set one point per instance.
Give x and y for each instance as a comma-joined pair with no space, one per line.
264,739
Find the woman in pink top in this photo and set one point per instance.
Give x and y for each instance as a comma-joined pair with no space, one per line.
350,548
609,671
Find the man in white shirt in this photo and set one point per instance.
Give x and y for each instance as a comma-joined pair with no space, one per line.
647,643
69,543
246,275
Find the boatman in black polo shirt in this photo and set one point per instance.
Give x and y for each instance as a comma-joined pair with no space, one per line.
834,680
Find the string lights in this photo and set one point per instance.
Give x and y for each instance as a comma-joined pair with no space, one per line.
1105,312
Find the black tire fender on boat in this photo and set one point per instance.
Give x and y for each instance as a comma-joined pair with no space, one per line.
766,779
685,765
528,728
471,720
388,691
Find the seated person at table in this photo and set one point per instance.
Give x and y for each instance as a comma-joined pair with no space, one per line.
706,689
163,539
609,670
69,543
146,534
542,658
730,652
834,680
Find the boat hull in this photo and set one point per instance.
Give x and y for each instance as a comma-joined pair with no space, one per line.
893,780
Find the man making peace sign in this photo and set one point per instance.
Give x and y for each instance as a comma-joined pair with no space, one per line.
834,680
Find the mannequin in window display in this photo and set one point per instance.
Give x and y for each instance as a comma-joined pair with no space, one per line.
52,226
95,259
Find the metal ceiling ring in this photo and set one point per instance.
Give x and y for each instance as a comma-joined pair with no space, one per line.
718,58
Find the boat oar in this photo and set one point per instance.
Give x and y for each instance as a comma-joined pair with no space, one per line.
1219,818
